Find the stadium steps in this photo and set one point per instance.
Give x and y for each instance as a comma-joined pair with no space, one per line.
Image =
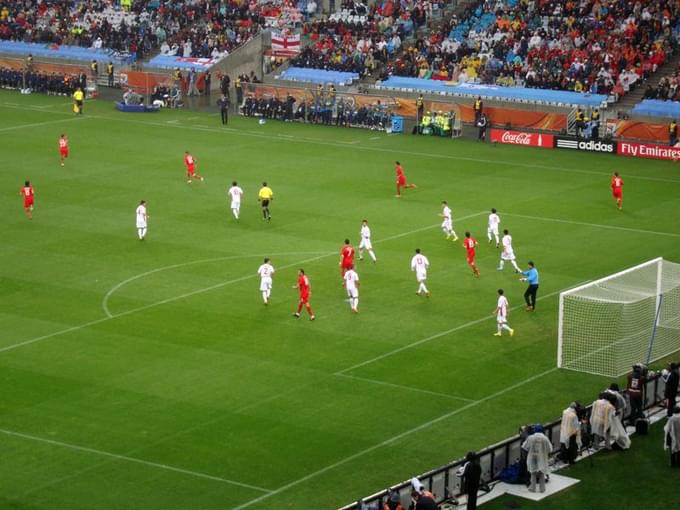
635,96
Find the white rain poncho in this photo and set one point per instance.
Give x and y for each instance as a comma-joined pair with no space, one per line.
538,448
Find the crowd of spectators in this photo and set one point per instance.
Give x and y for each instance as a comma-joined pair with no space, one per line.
595,46
365,36
186,28
53,84
668,88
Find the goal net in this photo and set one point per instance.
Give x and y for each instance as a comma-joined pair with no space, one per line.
607,326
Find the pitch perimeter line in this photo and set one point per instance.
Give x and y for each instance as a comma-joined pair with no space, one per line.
596,225
196,474
394,439
339,144
205,289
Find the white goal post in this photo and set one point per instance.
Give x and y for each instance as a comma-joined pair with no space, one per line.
633,316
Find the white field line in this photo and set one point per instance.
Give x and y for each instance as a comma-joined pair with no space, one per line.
596,225
371,148
435,336
394,439
103,453
38,124
115,288
401,386
200,291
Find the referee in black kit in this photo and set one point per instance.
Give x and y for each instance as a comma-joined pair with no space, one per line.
223,103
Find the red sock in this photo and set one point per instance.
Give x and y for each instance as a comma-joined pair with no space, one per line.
309,310
299,307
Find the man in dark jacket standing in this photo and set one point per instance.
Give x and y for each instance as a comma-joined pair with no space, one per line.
223,103
472,474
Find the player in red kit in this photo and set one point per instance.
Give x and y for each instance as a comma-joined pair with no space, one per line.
346,258
401,179
617,190
190,163
305,292
63,149
470,243
27,193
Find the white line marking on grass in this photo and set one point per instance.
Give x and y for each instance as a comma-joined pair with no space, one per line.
176,121
135,460
199,291
394,439
201,125
38,124
373,148
597,225
401,386
438,335
374,138
105,301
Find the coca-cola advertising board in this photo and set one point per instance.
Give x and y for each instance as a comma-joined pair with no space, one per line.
648,150
522,138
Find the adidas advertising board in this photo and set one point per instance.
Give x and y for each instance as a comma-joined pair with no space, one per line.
585,145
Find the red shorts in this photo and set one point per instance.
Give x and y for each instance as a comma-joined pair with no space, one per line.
347,264
28,202
618,193
304,298
191,170
401,180
64,152
471,258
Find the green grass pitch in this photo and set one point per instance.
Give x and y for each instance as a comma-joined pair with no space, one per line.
190,394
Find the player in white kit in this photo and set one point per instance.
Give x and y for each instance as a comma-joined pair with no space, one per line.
365,243
502,310
235,193
492,229
352,285
142,218
508,252
447,224
420,264
266,270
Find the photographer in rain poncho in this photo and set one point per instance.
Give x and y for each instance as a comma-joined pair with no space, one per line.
570,433
538,448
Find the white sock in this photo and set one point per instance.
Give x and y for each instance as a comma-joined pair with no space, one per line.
264,296
422,288
269,293
361,253
488,234
356,303
506,327
446,231
370,252
501,264
498,327
453,233
139,233
514,264
235,212
496,236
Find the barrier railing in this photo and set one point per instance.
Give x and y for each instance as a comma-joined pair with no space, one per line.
444,483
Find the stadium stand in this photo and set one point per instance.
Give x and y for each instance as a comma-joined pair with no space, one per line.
358,37
318,76
591,46
78,30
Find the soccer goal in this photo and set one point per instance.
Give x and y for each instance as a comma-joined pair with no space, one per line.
607,326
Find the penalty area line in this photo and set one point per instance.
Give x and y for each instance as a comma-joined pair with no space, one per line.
394,439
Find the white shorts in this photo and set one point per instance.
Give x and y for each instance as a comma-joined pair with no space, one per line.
421,277
353,292
447,224
501,319
236,205
493,230
508,256
141,224
265,284
365,244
